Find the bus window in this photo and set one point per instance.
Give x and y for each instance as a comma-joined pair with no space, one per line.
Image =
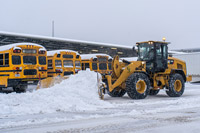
77,64
42,60
29,60
6,59
87,65
68,63
94,66
102,66
58,63
16,60
83,66
50,64
1,59
110,66
67,56
58,55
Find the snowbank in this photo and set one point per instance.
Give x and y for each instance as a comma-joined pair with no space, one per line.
78,93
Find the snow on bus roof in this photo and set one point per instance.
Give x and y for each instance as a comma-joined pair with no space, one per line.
9,46
52,52
67,40
89,56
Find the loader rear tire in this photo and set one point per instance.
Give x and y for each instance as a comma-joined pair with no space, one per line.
137,86
176,85
117,93
153,92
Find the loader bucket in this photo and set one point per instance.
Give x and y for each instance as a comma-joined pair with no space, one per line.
49,82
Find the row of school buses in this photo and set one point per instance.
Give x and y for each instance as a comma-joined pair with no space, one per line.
23,64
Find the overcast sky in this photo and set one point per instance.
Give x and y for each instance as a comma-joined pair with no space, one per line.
123,22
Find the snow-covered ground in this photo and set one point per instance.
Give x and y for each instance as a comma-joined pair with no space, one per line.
74,106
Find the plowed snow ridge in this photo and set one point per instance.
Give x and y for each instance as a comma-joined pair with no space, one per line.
78,93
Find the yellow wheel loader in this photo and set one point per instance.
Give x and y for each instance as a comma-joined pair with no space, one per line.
153,71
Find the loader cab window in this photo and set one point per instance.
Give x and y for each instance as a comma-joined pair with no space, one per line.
145,52
155,54
161,57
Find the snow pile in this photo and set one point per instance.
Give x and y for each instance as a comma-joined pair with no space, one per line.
78,93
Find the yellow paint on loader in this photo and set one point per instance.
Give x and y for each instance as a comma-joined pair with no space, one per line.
153,71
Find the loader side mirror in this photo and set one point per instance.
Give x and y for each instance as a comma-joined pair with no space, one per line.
135,49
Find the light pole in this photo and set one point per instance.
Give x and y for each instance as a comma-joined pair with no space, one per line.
53,28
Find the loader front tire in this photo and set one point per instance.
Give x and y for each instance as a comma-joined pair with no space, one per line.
176,85
137,86
117,93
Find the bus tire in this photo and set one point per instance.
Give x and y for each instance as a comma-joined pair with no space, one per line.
20,89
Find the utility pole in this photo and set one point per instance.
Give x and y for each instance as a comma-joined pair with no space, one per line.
53,28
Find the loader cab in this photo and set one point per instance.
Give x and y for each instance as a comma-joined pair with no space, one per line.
155,53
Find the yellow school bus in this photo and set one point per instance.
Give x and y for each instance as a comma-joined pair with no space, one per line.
63,62
97,62
21,64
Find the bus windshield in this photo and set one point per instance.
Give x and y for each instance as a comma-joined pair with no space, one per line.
102,66
29,60
42,60
68,63
77,64
58,63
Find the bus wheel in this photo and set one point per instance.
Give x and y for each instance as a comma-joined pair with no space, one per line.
20,89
